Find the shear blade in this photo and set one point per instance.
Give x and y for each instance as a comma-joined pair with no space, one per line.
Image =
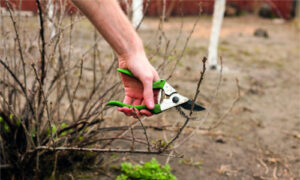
188,106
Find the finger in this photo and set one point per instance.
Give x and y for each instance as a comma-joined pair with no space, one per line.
127,111
148,93
145,112
156,76
136,113
127,100
137,102
123,109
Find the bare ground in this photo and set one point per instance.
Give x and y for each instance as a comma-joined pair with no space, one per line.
260,137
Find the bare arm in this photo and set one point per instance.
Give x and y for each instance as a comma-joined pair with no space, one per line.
111,22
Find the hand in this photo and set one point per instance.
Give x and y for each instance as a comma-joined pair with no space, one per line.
138,92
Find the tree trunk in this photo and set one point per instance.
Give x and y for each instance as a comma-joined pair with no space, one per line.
218,15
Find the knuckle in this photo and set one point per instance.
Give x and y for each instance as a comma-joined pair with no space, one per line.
148,78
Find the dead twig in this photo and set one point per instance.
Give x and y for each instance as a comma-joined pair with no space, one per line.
231,107
184,47
199,83
40,148
19,83
208,109
191,111
144,129
19,42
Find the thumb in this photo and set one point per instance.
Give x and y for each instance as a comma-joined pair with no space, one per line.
148,93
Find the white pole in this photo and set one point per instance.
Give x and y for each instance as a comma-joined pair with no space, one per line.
137,12
218,15
51,17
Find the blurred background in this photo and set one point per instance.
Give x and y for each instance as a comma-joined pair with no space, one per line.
251,129
273,8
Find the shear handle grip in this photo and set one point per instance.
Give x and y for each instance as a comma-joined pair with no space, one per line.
156,109
156,84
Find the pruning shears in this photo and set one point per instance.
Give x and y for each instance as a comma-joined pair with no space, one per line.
173,99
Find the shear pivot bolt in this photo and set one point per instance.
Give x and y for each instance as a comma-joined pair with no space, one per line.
175,99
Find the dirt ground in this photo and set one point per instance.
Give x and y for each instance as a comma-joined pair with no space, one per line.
260,137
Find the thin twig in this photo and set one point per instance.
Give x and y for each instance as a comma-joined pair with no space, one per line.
67,74
184,47
208,109
19,83
71,98
43,50
132,125
46,104
145,131
133,139
40,148
19,42
199,83
191,111
229,109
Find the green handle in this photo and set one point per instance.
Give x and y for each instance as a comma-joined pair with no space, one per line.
156,85
125,71
156,109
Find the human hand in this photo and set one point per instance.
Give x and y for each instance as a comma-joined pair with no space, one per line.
138,92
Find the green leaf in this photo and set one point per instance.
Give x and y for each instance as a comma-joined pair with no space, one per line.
163,143
63,133
167,167
1,119
6,127
122,177
63,125
11,116
19,121
54,129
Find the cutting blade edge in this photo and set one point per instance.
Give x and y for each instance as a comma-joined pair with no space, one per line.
188,106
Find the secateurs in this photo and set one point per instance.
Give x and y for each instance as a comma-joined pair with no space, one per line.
172,99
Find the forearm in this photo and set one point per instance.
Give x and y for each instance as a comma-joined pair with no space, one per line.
111,22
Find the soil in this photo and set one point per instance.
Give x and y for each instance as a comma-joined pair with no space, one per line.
260,137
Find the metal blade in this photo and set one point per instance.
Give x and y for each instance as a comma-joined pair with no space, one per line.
188,106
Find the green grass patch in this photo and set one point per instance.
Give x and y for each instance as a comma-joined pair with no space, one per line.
151,170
